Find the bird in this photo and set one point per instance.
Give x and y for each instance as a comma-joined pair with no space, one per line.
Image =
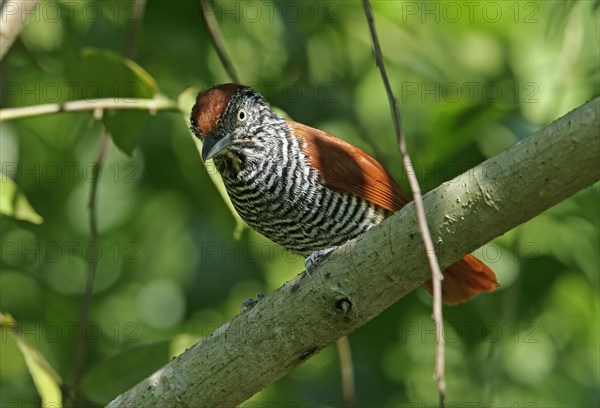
302,187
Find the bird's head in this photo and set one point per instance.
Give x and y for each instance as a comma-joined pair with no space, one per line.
228,115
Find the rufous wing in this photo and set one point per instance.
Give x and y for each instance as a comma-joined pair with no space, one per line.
347,169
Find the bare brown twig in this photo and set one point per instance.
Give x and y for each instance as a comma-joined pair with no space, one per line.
133,28
212,27
436,273
347,370
86,298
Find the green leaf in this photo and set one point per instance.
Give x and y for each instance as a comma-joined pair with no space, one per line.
104,74
14,203
46,380
125,128
118,373
186,100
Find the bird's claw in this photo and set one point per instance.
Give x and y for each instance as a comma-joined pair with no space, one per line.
313,260
250,303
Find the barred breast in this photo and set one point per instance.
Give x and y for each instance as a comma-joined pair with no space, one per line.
277,192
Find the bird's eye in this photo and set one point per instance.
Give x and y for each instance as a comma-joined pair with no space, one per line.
242,115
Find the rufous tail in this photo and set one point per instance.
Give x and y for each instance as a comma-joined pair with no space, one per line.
464,280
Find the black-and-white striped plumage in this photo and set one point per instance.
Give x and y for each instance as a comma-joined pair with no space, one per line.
274,186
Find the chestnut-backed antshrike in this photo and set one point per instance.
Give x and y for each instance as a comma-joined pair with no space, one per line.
304,188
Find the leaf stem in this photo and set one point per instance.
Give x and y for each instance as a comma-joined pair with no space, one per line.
152,105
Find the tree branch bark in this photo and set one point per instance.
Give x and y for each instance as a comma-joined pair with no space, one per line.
362,278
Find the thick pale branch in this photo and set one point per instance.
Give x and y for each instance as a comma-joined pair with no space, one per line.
365,276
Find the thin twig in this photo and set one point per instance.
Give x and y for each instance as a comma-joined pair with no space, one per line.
347,369
81,347
151,105
133,28
86,299
212,27
436,274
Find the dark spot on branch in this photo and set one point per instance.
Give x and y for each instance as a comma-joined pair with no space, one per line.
344,305
295,287
307,353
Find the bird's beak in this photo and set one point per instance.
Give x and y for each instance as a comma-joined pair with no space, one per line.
213,145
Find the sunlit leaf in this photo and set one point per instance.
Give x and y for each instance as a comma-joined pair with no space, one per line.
14,203
186,100
46,380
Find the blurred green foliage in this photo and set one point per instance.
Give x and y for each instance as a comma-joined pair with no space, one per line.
471,78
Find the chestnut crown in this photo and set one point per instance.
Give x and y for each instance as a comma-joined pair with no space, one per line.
229,114
210,106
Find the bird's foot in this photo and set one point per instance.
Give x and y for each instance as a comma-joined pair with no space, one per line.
250,303
315,258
